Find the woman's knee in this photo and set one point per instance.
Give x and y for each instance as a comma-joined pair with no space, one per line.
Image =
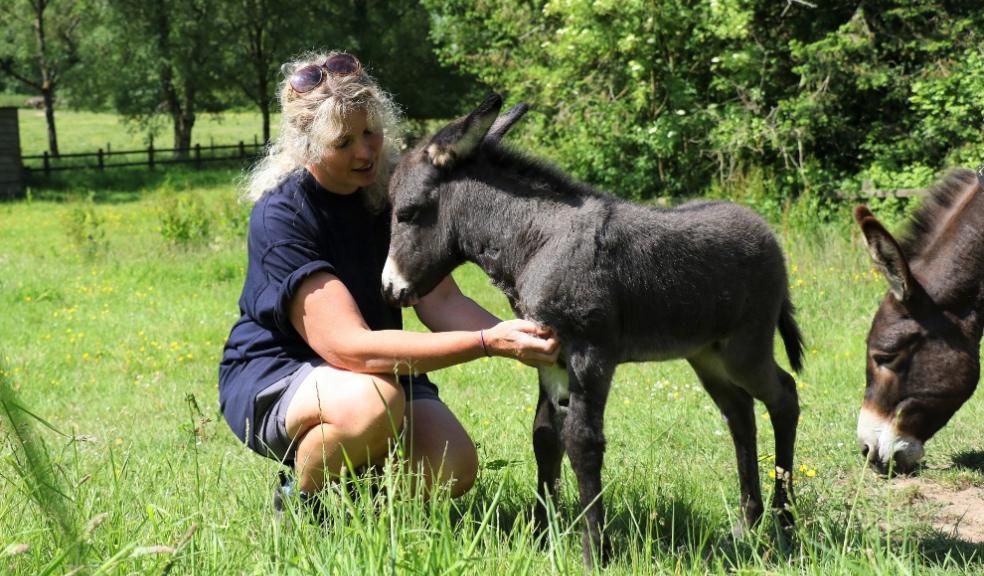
355,406
464,469
440,444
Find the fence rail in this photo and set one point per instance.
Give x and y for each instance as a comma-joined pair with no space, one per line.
198,155
869,191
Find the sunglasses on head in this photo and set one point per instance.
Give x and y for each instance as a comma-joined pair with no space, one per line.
309,77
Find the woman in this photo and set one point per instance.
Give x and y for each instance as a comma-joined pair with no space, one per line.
317,372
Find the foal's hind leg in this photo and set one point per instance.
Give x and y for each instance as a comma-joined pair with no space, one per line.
784,412
737,407
775,388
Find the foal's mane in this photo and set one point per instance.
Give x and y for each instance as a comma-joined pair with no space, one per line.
549,179
932,214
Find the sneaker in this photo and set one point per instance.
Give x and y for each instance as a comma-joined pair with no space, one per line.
288,492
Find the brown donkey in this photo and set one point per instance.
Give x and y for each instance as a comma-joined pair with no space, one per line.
923,357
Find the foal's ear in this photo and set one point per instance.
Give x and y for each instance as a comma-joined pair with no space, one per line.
886,254
505,122
460,138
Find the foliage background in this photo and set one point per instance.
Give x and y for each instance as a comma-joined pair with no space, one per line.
653,98
642,97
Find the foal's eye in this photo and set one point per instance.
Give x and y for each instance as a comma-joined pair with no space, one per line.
407,214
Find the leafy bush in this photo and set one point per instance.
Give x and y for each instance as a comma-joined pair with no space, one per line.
185,222
84,228
663,98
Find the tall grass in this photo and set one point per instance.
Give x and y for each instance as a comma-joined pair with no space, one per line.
110,371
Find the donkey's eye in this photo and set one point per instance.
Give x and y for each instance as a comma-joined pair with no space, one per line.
884,358
408,214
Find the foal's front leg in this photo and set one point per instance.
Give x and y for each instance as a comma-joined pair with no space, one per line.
548,448
590,379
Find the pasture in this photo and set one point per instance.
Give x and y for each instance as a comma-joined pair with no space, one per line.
116,306
82,131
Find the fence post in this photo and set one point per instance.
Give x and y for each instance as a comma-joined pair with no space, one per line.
47,164
242,149
150,153
99,157
198,156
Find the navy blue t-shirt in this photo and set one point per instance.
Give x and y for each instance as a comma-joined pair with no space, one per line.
295,230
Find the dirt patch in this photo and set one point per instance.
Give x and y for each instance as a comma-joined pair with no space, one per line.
958,513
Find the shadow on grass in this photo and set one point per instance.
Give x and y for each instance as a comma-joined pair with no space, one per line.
123,185
970,460
940,549
638,525
656,529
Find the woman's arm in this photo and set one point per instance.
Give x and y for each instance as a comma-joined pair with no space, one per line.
325,314
446,308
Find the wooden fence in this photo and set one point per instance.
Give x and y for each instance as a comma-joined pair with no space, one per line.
869,191
149,157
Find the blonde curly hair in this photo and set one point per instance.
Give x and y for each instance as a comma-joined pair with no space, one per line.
311,121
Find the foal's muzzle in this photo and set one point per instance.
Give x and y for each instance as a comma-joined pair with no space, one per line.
396,290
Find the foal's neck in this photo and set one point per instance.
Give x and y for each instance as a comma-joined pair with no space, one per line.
503,220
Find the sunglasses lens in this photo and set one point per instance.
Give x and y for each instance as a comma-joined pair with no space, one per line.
342,65
306,79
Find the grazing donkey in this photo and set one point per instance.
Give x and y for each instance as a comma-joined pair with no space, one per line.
924,345
616,281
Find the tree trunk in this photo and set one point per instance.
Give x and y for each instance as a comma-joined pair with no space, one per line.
265,110
261,65
47,85
184,121
48,95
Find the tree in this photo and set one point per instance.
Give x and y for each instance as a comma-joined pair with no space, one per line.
392,39
39,45
163,57
259,35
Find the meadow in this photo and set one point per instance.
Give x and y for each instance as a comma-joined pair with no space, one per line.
85,131
118,291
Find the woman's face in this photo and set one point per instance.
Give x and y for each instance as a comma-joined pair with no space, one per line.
351,160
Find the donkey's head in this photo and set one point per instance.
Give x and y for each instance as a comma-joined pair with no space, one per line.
423,245
922,365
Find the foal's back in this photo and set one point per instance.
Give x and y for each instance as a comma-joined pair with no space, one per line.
668,281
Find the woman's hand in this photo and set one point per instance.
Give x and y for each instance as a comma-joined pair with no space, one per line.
523,340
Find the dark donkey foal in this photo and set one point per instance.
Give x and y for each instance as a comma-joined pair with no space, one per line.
616,281
924,345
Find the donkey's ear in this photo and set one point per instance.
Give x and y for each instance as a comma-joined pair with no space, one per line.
462,137
886,254
505,122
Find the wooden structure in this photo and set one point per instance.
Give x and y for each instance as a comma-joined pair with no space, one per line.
11,175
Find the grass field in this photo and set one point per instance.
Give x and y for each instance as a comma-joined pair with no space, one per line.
115,312
88,131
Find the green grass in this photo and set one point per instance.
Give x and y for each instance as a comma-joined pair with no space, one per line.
88,131
112,336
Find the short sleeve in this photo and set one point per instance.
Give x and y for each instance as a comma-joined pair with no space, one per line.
287,265
284,251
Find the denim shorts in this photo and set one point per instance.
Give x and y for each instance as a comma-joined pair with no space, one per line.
271,439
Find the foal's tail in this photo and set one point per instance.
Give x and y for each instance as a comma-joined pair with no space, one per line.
791,336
